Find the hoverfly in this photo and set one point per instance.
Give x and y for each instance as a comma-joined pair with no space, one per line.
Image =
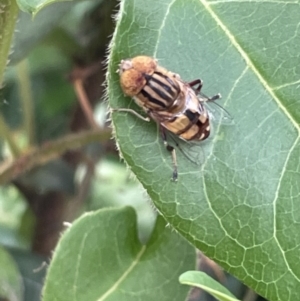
175,105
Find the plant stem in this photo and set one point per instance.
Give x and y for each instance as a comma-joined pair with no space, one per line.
8,17
6,133
26,100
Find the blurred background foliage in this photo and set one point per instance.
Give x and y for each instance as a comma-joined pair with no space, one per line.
46,179
56,162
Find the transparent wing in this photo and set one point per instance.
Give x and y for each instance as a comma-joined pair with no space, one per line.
217,113
192,150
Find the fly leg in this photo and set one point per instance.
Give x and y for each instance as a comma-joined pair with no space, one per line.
198,88
132,112
171,149
215,97
195,82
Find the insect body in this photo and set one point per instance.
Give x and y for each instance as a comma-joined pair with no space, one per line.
175,105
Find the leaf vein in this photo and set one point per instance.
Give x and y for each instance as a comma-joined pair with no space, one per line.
286,85
78,262
251,1
126,272
162,26
274,211
249,63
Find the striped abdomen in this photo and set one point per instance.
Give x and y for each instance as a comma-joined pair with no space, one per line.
190,125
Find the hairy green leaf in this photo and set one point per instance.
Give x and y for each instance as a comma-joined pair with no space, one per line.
101,258
240,207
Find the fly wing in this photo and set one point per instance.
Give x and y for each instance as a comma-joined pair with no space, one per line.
217,113
192,150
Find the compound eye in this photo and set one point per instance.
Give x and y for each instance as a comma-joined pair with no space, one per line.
132,82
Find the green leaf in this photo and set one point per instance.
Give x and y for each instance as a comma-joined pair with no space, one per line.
29,32
34,6
100,258
208,284
11,287
241,206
